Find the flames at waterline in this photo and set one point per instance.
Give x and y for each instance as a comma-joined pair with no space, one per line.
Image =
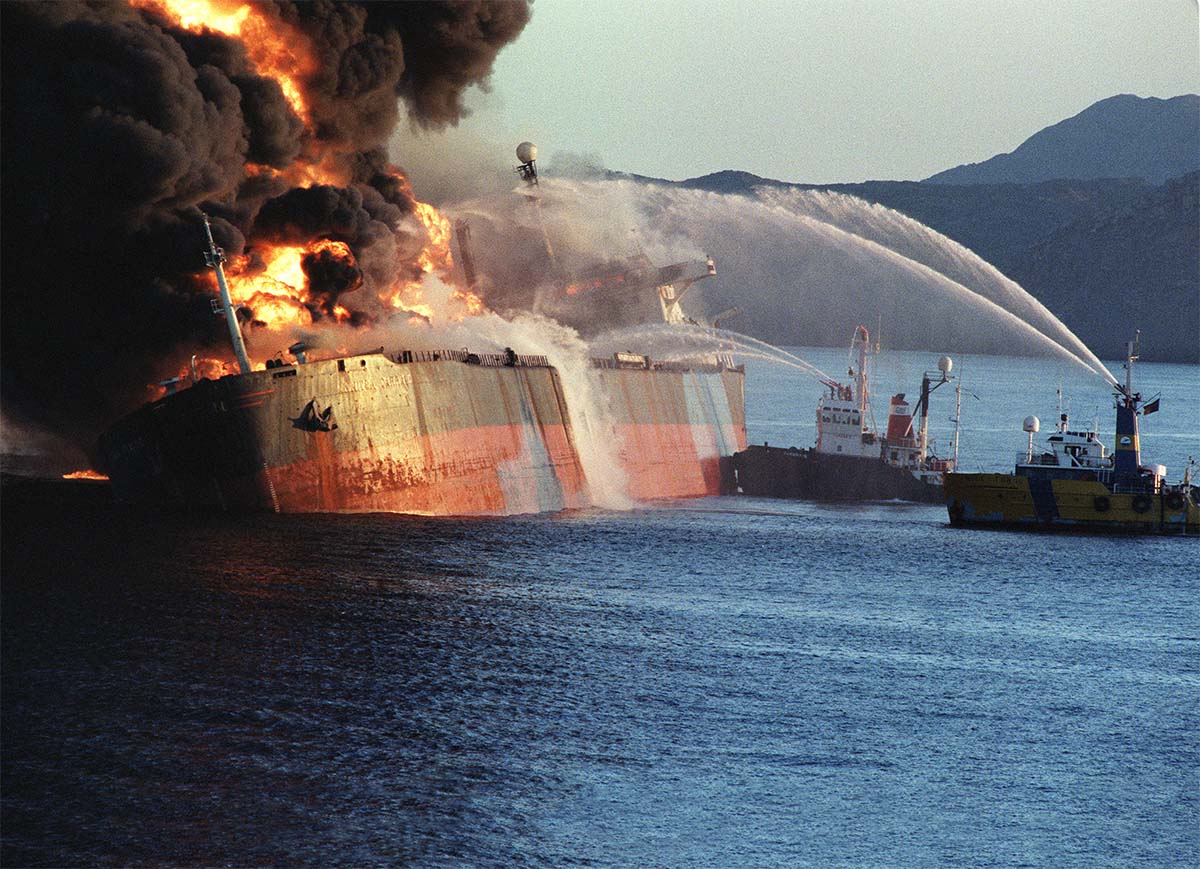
88,474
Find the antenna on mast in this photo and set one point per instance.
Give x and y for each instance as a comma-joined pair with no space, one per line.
1132,351
214,257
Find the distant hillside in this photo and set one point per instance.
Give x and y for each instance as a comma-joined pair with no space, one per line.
1120,137
1136,266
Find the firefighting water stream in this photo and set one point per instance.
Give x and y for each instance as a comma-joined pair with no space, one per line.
813,264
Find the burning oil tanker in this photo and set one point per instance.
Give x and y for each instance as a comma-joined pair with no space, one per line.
440,432
124,122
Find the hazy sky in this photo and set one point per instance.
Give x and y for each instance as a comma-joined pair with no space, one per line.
819,91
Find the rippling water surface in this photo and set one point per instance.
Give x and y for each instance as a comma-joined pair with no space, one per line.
718,682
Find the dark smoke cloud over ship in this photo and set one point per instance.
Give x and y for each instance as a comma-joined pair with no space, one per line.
122,122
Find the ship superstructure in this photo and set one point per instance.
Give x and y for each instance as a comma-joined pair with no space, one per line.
850,460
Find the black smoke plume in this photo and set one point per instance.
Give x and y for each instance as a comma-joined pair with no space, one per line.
120,127
329,276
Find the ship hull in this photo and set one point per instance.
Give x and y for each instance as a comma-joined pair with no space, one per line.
775,472
426,435
1016,501
674,428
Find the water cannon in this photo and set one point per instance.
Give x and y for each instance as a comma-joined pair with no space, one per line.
725,316
300,351
527,154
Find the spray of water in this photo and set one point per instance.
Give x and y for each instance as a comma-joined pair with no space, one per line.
918,243
805,266
675,343
939,283
592,419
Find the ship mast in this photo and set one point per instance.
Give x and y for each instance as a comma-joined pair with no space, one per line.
1132,349
215,257
1127,455
957,417
863,340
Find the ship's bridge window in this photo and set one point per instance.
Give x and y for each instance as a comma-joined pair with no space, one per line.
341,365
824,417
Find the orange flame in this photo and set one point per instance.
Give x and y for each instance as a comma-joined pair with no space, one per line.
277,291
88,474
436,254
435,257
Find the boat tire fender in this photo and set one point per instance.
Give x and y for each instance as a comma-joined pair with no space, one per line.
957,511
1140,503
1101,503
1175,501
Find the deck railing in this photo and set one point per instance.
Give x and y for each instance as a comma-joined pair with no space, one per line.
521,360
609,363
490,360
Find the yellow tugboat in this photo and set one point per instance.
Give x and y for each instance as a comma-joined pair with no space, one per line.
1076,485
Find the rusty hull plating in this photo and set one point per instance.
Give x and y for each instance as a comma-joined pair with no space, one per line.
436,433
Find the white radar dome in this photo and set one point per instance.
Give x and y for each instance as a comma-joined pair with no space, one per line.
1032,424
527,152
945,364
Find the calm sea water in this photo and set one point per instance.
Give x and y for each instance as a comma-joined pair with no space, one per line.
711,683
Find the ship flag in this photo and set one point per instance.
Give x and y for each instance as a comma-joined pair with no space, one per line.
1150,407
